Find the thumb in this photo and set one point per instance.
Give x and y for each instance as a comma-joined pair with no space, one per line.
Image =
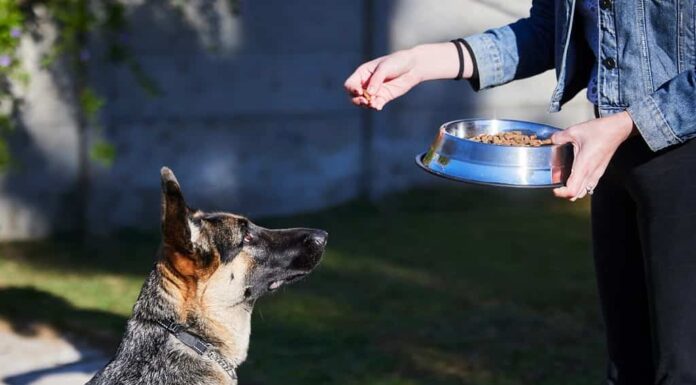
561,137
377,79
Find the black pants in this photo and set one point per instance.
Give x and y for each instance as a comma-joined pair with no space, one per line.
644,243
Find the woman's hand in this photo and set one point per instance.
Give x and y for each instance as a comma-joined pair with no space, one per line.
384,79
595,143
377,82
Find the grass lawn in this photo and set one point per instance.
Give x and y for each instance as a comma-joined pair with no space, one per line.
444,286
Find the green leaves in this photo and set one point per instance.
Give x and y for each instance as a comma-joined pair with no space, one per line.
11,30
91,104
103,152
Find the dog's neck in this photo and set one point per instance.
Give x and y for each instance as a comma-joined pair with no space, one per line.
225,326
226,329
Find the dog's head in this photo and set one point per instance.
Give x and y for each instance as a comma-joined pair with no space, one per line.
225,259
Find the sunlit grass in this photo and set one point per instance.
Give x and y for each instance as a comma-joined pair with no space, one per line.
430,287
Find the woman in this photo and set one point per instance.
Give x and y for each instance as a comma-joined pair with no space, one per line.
637,60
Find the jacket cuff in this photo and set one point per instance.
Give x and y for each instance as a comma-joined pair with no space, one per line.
488,58
652,125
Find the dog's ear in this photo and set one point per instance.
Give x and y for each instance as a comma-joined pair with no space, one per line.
176,233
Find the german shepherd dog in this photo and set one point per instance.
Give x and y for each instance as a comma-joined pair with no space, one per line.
192,320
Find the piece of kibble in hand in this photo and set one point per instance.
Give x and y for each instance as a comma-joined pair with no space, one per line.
367,96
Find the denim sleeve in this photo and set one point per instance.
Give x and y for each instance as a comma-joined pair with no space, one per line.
668,115
519,50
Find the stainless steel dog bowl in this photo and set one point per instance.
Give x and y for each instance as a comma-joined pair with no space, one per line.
454,156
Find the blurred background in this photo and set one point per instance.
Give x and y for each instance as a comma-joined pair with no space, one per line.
425,281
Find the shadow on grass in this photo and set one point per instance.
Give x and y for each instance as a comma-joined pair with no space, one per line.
27,310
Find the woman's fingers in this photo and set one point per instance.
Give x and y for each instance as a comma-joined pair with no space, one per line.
374,84
378,102
582,191
356,82
583,179
593,179
353,84
591,182
573,188
383,79
575,185
569,190
360,101
394,68
350,83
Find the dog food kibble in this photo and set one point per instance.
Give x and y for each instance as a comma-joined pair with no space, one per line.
511,138
367,96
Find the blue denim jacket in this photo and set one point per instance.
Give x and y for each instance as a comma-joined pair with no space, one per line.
647,63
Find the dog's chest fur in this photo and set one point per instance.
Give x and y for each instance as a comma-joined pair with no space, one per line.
150,355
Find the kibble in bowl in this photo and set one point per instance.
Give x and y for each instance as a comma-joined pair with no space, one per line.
511,138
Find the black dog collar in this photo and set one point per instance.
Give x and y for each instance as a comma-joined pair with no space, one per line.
200,346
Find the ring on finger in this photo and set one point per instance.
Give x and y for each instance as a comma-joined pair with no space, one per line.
590,189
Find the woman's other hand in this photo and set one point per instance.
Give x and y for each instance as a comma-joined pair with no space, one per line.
595,143
377,82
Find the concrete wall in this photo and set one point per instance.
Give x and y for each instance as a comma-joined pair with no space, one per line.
253,117
37,195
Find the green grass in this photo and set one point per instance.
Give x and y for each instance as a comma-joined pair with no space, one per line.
445,286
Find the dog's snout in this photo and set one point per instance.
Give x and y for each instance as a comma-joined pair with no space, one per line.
318,237
312,247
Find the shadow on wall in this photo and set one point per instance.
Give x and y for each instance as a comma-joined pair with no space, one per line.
37,196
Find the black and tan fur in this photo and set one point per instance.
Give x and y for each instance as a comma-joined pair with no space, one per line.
210,270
